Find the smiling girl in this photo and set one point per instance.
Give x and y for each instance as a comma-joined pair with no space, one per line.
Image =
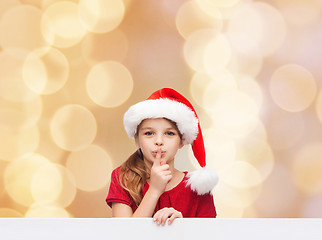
148,184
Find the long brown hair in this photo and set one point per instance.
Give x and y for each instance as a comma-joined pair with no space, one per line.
134,173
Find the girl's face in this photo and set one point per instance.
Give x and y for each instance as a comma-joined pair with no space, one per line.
158,133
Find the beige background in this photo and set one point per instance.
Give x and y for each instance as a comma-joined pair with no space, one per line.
70,69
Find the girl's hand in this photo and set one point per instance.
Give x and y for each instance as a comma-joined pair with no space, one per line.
160,174
161,216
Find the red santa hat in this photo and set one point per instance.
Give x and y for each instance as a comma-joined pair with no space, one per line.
167,103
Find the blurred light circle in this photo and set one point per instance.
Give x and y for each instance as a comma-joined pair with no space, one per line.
18,176
53,183
226,200
73,127
99,47
221,82
47,147
109,84
246,56
190,18
259,21
236,197
16,23
250,212
169,11
34,73
248,85
310,11
46,210
185,160
90,167
5,5
221,150
46,183
12,86
259,132
35,3
229,11
228,211
20,115
101,16
14,144
61,20
10,213
195,48
307,168
293,88
198,85
235,113
45,71
240,174
46,3
279,183
285,129
217,54
217,3
319,106
172,6
258,153
68,190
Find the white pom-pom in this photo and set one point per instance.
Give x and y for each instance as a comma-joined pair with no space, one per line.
202,181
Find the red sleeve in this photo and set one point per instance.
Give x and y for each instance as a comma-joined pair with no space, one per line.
206,207
116,193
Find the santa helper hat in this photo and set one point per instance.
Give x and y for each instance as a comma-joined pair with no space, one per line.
167,103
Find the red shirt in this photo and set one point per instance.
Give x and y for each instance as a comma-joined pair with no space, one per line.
181,198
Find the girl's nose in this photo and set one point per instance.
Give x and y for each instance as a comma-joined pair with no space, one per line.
158,140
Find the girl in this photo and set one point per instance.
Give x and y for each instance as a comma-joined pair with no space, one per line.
147,184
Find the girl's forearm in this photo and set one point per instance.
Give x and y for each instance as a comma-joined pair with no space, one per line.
147,205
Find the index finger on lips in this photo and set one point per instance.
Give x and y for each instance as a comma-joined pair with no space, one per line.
162,160
158,157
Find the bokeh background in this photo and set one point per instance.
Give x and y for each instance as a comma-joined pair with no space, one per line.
70,69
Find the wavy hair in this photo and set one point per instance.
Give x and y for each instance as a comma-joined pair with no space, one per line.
133,176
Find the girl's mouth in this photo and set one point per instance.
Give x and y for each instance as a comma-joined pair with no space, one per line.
154,153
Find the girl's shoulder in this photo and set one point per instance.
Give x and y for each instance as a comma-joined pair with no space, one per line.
117,170
115,175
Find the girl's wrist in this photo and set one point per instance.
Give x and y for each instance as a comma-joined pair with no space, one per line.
154,193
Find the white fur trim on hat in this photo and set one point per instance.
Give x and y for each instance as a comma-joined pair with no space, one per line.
178,112
202,180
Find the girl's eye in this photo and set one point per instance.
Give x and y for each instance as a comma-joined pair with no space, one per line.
149,133
170,133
